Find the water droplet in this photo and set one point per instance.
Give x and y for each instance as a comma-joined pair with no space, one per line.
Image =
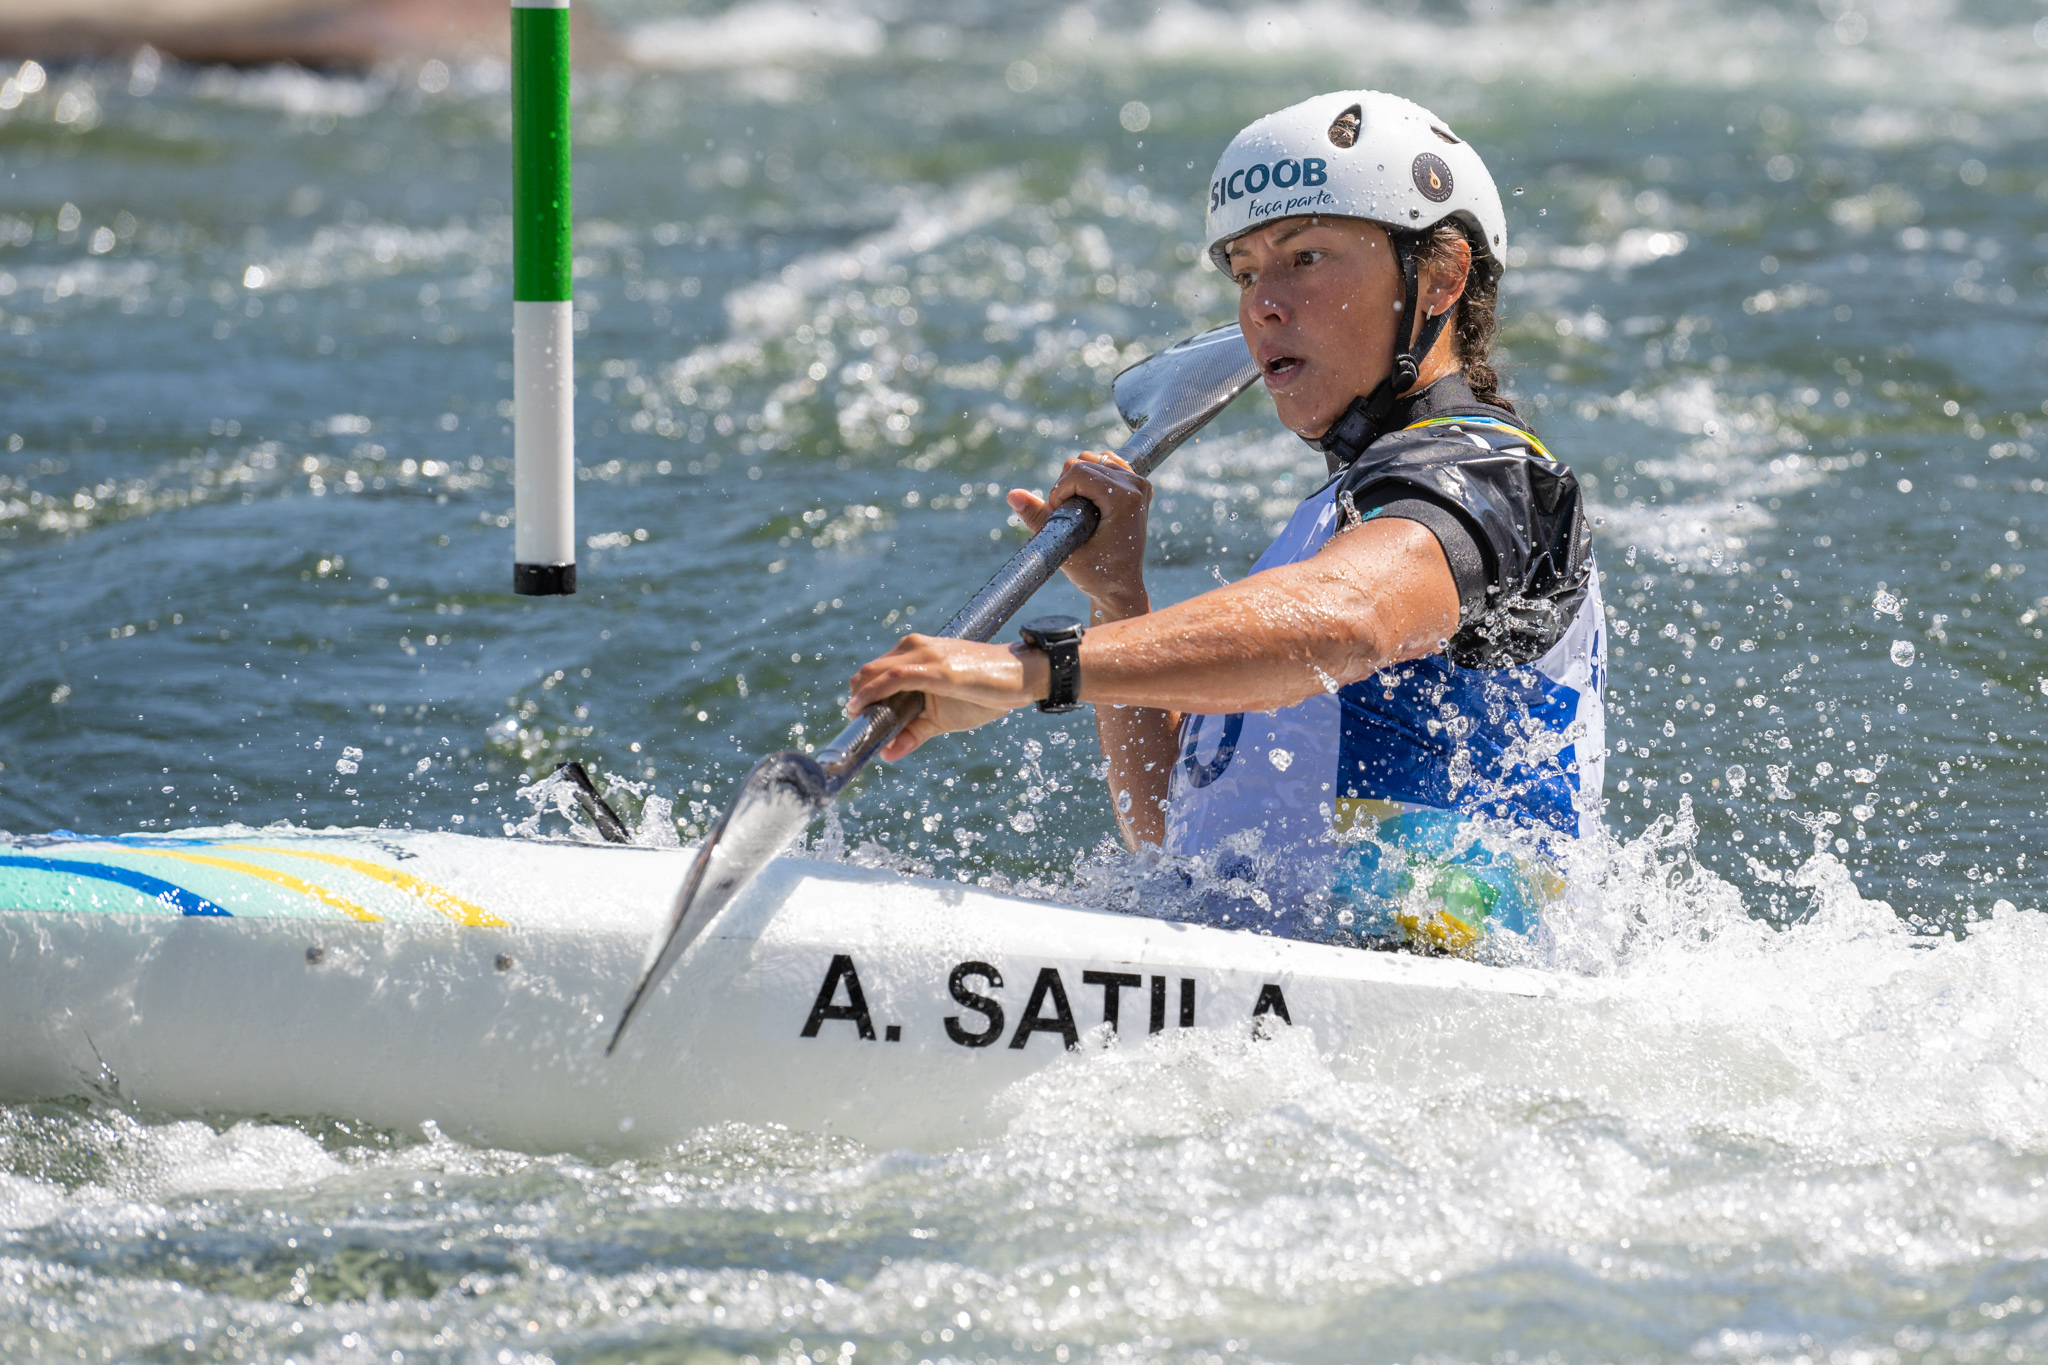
1903,652
1280,759
1884,604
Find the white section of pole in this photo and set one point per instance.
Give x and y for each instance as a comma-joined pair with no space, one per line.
543,434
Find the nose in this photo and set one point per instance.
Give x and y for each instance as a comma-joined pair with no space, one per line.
1267,305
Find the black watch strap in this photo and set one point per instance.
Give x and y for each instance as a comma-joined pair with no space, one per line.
1059,639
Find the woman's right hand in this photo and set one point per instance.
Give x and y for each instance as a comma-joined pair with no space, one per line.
1110,568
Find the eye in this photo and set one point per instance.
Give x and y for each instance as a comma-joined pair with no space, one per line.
1246,278
1307,257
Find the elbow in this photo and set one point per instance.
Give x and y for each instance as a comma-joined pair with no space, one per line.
1347,646
1369,644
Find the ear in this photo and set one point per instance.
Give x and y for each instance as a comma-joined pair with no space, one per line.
1444,277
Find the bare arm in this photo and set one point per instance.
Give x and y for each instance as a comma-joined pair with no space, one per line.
1374,595
1378,593
1139,744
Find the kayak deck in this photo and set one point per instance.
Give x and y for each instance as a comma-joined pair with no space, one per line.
400,978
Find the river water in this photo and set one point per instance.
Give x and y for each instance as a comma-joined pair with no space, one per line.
845,274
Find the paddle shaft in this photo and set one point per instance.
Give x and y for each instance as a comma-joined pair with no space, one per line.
1065,531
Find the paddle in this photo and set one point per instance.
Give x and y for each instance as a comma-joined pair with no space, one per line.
609,826
1164,399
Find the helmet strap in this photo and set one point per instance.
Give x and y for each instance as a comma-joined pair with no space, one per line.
1364,421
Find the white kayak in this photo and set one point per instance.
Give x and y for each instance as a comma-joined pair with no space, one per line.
402,978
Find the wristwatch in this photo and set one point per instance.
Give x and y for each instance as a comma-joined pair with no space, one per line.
1059,638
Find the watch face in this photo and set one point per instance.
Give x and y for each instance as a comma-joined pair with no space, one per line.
1053,628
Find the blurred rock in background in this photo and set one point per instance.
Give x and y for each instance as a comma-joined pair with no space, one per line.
324,34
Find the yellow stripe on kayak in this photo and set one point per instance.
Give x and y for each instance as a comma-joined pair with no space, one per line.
269,874
448,903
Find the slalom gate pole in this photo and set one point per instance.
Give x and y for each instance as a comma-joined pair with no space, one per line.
543,313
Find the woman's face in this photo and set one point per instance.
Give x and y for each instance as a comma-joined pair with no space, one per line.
1319,303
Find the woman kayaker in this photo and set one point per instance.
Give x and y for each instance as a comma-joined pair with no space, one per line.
1385,730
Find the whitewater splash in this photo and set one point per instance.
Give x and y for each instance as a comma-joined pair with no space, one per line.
1840,1021
1825,1111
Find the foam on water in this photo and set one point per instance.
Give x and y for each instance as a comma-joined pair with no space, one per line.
762,32
1737,1142
111,1169
292,90
1596,47
1742,455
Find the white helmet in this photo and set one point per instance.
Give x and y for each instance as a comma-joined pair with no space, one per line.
1354,154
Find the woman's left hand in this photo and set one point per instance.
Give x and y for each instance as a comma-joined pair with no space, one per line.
965,684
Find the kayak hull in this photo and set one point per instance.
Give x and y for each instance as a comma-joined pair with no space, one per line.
403,979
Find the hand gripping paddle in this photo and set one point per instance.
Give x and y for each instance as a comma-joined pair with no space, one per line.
1164,399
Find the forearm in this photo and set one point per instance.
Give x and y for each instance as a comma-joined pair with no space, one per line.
1139,743
1253,646
1376,594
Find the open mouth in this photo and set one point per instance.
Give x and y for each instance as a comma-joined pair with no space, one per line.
1280,367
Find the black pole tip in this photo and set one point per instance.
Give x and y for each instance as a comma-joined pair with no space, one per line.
544,580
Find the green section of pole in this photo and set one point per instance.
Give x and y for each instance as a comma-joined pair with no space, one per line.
540,154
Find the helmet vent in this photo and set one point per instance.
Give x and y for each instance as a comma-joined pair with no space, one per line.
1443,133
1344,128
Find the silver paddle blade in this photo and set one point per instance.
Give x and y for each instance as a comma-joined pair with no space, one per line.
1165,399
1182,387
775,804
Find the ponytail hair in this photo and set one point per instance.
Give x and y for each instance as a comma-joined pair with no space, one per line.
1473,328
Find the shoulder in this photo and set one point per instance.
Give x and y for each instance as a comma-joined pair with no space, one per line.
1476,464
1518,508
1461,437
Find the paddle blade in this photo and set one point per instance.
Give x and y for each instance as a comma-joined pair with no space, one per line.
1169,396
775,804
